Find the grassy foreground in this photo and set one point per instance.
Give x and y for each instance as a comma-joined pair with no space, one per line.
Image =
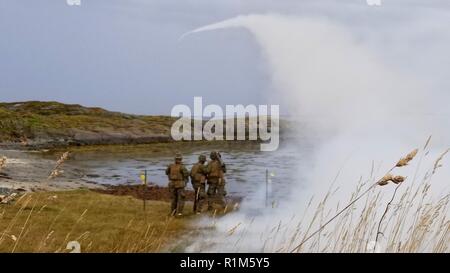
47,221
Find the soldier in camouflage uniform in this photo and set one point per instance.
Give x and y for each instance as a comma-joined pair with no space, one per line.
178,176
216,181
198,179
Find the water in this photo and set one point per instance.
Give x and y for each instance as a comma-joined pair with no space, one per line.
245,177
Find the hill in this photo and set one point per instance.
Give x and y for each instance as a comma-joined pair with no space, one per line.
48,124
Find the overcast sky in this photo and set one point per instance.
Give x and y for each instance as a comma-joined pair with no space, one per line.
124,55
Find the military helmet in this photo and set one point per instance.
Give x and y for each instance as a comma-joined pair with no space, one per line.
213,155
178,156
202,158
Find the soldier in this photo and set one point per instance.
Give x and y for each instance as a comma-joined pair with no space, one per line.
178,176
216,181
198,179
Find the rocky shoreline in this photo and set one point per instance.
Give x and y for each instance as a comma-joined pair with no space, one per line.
84,139
28,171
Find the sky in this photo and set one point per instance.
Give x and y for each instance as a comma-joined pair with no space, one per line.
125,55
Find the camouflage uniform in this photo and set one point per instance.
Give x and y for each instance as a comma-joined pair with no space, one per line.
178,176
216,181
198,179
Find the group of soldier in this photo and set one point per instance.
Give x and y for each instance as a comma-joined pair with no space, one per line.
202,174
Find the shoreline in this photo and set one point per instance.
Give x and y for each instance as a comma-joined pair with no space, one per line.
27,170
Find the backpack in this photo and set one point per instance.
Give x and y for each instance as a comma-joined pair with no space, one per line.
216,169
175,172
197,176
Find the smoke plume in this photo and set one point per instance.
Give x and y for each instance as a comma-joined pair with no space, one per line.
362,115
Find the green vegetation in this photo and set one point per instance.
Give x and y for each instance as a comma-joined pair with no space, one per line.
29,120
47,221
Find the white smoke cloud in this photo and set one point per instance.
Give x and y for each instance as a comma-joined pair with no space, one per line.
365,112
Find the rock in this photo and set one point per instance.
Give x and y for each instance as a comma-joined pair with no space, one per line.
8,199
4,175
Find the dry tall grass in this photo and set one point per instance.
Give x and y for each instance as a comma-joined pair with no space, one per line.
413,222
57,169
48,221
3,160
408,220
402,216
